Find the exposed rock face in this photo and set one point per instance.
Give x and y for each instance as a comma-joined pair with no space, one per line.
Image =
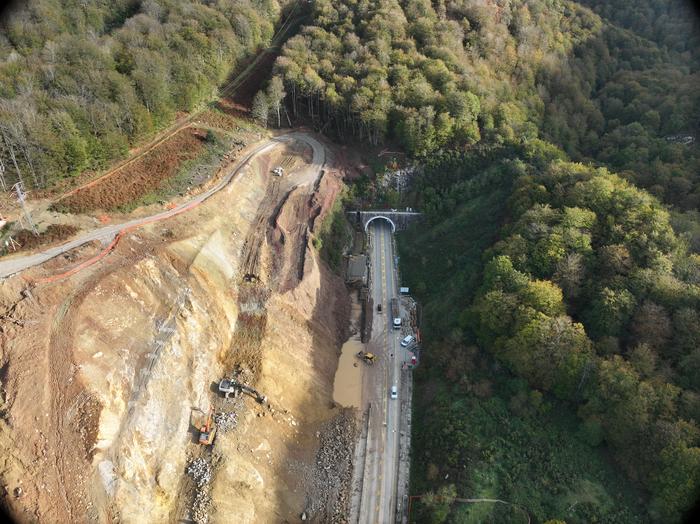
127,352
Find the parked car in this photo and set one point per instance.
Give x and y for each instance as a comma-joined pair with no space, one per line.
394,392
407,341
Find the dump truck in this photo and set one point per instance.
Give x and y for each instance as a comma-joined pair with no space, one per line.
395,313
368,358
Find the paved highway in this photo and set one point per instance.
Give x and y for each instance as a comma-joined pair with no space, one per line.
379,493
106,234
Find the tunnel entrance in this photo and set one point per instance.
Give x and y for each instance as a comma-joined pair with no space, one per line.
393,226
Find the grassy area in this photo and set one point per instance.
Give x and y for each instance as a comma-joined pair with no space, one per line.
489,435
26,240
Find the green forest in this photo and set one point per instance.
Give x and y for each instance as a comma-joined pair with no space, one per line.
83,82
558,264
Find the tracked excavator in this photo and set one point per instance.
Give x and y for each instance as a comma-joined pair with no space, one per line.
232,386
367,358
207,431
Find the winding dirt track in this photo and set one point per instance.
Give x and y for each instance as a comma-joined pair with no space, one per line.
110,233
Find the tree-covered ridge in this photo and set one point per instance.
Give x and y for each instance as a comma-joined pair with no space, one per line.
591,296
81,82
586,292
673,24
430,75
436,75
623,101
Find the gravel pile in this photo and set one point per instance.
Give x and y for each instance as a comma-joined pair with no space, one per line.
330,491
226,421
201,507
200,471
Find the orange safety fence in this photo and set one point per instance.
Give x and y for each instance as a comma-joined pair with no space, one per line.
110,247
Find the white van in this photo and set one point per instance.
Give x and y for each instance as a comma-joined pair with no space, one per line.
407,341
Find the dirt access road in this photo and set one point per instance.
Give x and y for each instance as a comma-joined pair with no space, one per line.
380,487
108,233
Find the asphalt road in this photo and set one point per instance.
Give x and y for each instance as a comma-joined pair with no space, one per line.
15,264
379,493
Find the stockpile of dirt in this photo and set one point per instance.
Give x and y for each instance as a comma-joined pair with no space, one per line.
138,177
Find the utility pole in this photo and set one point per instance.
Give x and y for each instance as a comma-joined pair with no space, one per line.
2,175
21,197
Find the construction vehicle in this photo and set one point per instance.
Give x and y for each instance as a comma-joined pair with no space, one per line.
207,431
368,358
278,171
232,386
395,313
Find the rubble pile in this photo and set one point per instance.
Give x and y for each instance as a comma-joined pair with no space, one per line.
201,472
330,492
226,421
201,507
398,179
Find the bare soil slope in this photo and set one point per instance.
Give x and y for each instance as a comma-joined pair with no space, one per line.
105,375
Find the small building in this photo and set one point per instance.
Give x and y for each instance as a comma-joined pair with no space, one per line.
403,290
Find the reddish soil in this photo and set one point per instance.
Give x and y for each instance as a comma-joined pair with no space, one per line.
54,233
139,177
220,120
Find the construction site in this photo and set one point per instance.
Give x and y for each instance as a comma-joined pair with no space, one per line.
182,367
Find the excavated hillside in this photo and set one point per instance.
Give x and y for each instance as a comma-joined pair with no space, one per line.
107,374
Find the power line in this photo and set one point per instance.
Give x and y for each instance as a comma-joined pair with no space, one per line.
282,28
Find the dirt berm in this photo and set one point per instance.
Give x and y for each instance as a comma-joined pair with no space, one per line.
105,375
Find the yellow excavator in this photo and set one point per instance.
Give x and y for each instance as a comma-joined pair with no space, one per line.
367,358
208,430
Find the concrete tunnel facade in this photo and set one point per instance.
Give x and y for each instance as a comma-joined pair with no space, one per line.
393,226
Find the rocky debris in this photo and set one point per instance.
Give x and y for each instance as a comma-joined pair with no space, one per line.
398,179
226,421
329,495
201,507
201,472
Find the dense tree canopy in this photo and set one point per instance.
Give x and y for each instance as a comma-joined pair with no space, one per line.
81,82
581,285
431,75
620,90
589,295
